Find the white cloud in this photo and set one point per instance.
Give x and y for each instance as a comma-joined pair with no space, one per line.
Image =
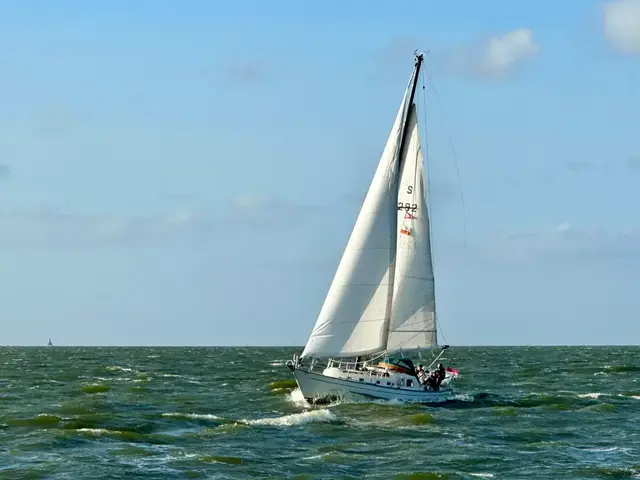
256,211
54,228
248,72
49,227
55,121
494,57
564,240
251,202
578,166
622,25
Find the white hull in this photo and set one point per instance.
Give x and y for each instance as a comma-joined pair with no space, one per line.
316,386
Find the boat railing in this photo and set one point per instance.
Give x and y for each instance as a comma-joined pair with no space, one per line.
350,364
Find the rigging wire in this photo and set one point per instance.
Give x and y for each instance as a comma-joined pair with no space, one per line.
428,165
453,151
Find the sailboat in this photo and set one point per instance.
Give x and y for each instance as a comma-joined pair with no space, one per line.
381,306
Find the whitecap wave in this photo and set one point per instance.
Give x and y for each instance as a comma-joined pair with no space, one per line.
595,395
603,449
116,379
116,368
295,419
464,397
194,416
635,397
96,431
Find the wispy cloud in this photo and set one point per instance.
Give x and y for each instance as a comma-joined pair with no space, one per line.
633,163
50,227
565,240
57,228
237,72
55,121
259,211
621,24
246,72
494,57
578,166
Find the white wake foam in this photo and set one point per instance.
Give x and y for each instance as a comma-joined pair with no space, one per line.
296,397
295,419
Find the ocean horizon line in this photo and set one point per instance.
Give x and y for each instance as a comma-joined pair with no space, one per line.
549,345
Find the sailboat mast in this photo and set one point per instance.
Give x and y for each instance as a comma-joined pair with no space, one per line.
418,64
400,147
419,60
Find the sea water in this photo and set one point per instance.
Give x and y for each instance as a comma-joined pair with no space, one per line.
521,412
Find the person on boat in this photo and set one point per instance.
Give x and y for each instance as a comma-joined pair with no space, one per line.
432,381
421,375
440,375
435,378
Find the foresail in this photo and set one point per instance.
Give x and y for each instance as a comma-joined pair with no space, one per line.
354,318
412,323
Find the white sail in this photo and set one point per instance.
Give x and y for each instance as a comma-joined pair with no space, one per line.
412,323
354,317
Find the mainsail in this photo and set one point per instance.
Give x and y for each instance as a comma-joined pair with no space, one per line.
362,313
352,320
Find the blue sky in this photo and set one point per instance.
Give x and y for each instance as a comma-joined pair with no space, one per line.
180,173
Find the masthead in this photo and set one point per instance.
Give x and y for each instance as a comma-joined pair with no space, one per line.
419,55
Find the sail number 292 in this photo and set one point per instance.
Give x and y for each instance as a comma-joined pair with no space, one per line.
407,206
